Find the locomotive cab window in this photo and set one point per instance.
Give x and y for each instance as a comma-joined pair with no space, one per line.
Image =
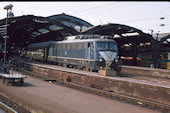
113,46
106,46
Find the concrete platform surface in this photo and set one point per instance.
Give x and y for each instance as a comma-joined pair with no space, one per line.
137,70
156,90
53,98
152,81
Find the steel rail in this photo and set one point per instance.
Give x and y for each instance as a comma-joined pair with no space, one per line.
9,109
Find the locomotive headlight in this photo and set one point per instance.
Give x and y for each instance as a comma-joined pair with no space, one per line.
100,60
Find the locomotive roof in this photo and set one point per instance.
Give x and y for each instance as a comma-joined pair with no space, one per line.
87,36
83,40
47,44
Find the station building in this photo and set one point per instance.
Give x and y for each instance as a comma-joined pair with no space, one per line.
135,46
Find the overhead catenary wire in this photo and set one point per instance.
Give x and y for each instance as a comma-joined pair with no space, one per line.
147,18
88,9
103,5
133,20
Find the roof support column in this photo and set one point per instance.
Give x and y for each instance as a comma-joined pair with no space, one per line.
134,53
154,52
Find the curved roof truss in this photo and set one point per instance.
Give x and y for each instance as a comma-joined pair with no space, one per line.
29,29
121,33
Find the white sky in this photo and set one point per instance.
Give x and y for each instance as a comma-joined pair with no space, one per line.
141,15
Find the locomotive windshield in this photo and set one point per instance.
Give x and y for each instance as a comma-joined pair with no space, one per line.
111,46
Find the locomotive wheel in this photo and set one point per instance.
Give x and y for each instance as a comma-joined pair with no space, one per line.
90,69
84,68
79,67
64,65
87,69
67,65
75,67
94,70
70,66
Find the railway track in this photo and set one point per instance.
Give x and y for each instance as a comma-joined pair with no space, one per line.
132,100
7,108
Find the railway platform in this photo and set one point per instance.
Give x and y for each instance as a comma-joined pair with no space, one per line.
145,71
154,90
39,96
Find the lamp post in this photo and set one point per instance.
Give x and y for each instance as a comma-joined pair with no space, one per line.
7,7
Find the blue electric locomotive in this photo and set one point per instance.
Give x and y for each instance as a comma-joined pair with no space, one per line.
90,52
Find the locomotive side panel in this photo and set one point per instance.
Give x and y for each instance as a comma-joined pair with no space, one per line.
71,54
84,54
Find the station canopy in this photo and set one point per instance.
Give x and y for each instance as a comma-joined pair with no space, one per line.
165,42
122,34
71,21
29,29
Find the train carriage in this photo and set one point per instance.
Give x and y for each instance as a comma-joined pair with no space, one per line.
38,51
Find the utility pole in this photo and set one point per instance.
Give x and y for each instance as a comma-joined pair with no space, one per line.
7,7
